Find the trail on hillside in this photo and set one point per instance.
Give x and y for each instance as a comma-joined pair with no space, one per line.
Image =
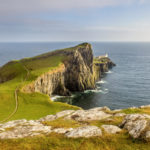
16,96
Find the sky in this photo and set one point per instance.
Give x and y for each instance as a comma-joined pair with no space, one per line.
74,20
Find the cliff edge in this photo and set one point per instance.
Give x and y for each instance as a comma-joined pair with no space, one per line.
79,71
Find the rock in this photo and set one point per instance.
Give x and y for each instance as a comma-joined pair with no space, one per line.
62,130
87,131
64,113
111,129
135,124
58,115
147,135
120,115
23,128
88,115
14,123
1,129
48,118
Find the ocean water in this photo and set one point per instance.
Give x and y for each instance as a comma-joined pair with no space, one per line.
126,85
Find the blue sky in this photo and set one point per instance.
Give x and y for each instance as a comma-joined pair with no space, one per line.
74,20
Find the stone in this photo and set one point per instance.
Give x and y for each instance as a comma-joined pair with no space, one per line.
135,124
120,115
64,113
86,131
14,123
62,130
147,135
111,129
88,115
48,118
2,129
23,128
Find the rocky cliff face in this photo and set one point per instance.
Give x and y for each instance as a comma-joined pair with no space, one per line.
77,73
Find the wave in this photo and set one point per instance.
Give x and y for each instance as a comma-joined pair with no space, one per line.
98,90
101,82
109,72
55,97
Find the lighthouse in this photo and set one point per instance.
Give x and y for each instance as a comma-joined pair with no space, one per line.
106,55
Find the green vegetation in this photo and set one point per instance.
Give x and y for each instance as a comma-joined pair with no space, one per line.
121,141
136,110
61,123
17,74
102,60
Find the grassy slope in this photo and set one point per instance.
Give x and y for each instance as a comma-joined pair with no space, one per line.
34,105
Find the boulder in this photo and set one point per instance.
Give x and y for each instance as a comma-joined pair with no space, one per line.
135,124
111,129
88,115
86,131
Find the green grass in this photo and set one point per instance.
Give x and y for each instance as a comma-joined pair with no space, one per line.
34,105
102,60
61,123
121,141
137,110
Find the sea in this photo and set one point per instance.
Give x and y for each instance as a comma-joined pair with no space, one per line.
126,85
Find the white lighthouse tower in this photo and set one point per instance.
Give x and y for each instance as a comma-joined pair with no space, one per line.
106,55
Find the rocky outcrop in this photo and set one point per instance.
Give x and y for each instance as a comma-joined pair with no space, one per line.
76,73
88,115
87,131
137,125
24,128
92,122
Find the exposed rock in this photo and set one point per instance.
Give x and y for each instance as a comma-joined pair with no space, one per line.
19,129
111,129
48,118
62,130
135,124
87,115
87,131
64,113
147,135
58,115
12,124
120,115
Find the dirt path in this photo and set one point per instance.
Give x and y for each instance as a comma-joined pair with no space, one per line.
16,96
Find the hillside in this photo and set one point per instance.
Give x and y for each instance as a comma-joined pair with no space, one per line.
26,84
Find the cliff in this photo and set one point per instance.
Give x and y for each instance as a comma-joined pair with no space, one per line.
79,71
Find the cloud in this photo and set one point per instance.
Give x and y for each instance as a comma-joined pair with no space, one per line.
10,7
